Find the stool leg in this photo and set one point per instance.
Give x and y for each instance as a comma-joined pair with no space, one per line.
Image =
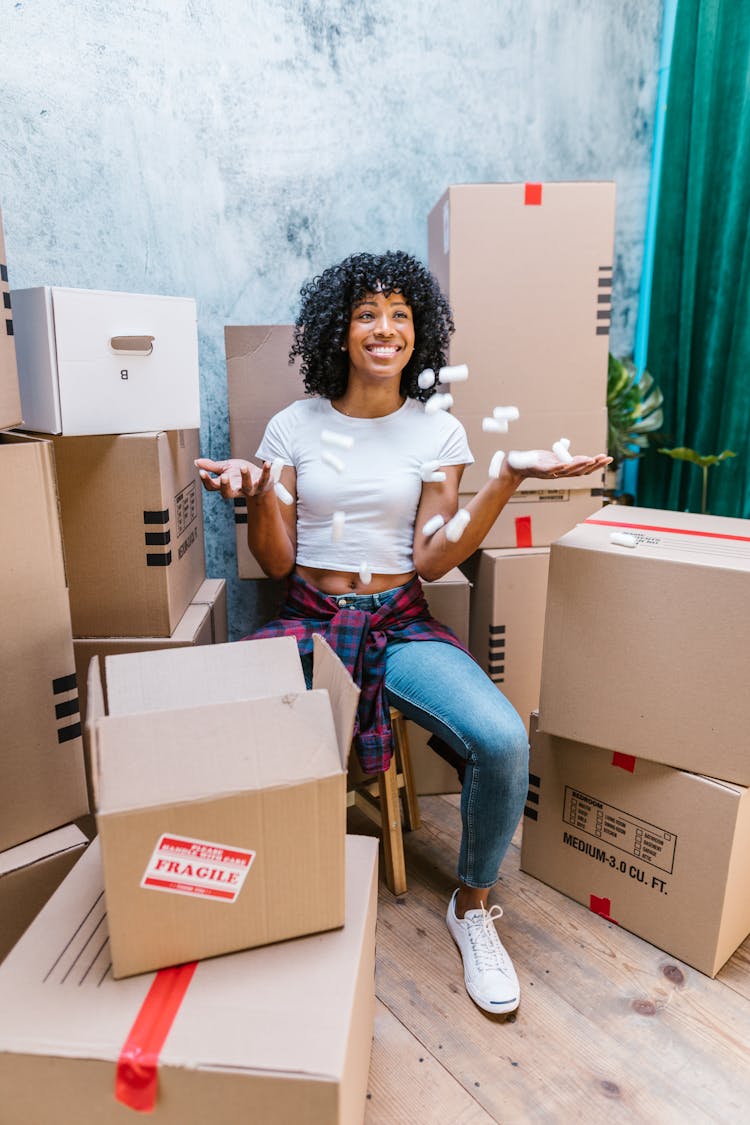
393,843
412,818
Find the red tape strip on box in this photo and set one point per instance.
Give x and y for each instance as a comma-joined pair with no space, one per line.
532,196
601,906
136,1081
624,761
671,530
523,531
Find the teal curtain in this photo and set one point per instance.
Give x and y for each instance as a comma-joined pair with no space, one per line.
699,338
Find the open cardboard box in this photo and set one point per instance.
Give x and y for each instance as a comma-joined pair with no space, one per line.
275,1035
220,790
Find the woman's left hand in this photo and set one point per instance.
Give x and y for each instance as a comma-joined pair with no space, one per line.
547,466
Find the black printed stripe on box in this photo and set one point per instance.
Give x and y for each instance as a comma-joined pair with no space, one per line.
158,518
68,708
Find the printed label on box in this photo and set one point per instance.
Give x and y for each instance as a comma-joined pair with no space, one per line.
183,866
623,831
186,507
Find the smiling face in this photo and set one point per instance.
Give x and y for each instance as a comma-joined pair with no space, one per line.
380,341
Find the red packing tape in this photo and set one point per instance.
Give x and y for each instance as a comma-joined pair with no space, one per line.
671,530
624,761
523,531
136,1081
601,906
532,196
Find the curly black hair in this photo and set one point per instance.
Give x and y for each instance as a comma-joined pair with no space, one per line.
325,313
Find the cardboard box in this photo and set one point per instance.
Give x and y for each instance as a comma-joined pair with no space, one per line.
660,629
204,622
507,620
662,852
246,777
448,600
536,519
29,873
535,429
282,1033
529,278
132,519
260,382
42,779
91,362
10,394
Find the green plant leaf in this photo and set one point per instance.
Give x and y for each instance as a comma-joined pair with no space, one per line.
683,453
633,408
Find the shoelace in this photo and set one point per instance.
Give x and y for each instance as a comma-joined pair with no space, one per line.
485,943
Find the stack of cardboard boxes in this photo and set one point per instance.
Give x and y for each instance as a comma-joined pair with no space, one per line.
111,379
42,782
218,780
527,269
638,804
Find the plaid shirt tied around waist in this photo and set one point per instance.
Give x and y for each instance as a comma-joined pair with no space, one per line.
359,639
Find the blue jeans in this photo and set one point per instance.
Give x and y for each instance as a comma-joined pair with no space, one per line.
445,691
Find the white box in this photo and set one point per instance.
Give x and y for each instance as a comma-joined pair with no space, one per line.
92,362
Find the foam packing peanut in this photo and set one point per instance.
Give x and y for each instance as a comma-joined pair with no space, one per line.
276,466
496,464
283,494
426,378
506,413
455,528
494,426
523,458
365,574
561,450
459,373
337,526
438,402
623,539
330,437
332,460
429,473
433,524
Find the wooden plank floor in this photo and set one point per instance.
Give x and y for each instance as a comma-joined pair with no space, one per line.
608,1025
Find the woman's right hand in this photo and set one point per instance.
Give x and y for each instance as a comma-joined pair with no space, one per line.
233,478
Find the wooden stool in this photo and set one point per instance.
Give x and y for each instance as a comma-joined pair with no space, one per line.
378,797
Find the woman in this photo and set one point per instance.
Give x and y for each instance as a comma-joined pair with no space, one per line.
363,468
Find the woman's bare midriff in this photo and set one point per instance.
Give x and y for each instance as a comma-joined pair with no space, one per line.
346,582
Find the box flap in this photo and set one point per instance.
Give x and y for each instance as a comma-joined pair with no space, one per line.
169,679
194,754
329,673
41,847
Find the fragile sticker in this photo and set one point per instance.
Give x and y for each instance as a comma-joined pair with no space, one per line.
181,865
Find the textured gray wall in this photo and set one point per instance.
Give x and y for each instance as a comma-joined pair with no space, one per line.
228,149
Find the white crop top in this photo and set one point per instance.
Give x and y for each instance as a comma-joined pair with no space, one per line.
379,489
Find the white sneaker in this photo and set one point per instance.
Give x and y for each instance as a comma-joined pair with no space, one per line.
489,975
